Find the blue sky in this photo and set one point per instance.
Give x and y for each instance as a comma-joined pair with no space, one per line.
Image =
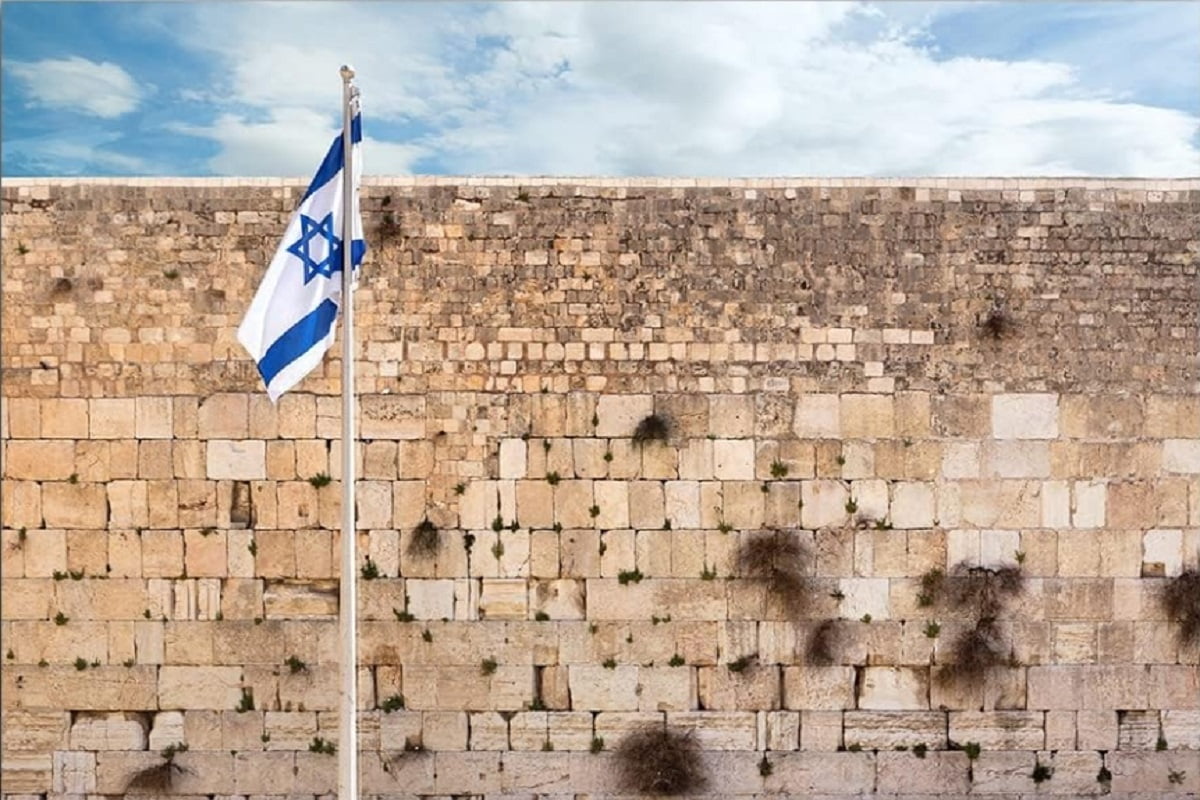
605,88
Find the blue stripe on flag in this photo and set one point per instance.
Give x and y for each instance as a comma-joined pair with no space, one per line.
334,158
298,340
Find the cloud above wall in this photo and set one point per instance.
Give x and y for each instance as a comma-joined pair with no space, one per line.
100,89
712,89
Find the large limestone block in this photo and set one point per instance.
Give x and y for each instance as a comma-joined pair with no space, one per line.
894,688
39,460
744,504
817,417
573,501
392,416
1101,416
223,416
999,730
718,730
107,731
514,454
755,688
199,687
1169,416
1182,456
646,504
683,504
64,418
75,506
478,505
1088,508
236,460
618,415
535,503
826,773
733,459
818,688
503,598
912,505
559,599
155,417
612,500
824,503
104,688
1016,458
731,416
1025,416
589,457
867,416
889,730
598,688
22,506
112,418
943,773
667,689
432,599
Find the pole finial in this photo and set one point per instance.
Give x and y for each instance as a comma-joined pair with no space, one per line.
347,73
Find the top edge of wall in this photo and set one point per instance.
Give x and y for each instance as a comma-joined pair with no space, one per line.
1175,184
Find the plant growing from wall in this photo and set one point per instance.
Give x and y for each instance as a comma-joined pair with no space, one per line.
997,322
652,428
1180,598
824,644
159,778
981,593
656,760
778,558
424,542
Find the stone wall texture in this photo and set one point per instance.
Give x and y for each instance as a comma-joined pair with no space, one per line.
901,376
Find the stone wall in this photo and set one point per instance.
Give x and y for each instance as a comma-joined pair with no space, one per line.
902,376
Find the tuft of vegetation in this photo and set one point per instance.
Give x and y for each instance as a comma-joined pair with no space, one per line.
320,479
541,616
1042,773
594,511
998,322
866,618
295,665
460,488
851,506
61,619
498,550
1104,776
1161,744
247,701
1176,776
932,629
393,703
320,744
597,744
658,761
81,664
708,573
652,428
972,749
764,766
488,666
779,470
159,778
1180,598
370,570
609,663
777,558
170,274
425,541
403,616
742,663
427,635
553,478
981,593
825,643
920,750
629,576
498,523
724,527
676,661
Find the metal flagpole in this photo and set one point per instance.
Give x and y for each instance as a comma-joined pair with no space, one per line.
348,603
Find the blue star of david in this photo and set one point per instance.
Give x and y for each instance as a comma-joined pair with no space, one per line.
310,229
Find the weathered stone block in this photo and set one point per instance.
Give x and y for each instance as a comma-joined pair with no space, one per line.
1025,416
894,688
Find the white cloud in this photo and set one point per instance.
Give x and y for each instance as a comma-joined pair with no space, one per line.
672,89
102,89
291,143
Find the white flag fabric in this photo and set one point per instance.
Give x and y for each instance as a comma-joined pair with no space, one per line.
290,322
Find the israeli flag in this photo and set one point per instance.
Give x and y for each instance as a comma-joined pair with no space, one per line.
290,323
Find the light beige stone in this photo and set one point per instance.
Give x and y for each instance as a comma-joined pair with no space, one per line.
1025,416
